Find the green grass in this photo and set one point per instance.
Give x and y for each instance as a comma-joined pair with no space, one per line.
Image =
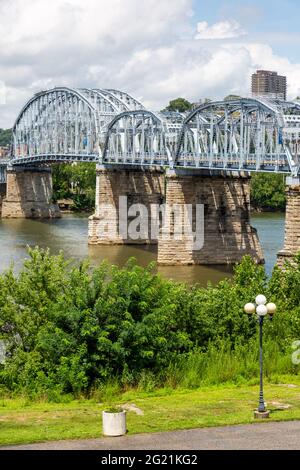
22,421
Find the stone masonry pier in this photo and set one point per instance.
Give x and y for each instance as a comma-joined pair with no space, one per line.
225,203
228,235
29,194
292,222
110,225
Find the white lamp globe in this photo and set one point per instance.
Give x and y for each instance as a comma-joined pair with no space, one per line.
261,310
249,308
261,300
271,308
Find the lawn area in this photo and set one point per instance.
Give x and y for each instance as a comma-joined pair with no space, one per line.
23,421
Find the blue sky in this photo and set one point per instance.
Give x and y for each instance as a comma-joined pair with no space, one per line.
156,50
275,22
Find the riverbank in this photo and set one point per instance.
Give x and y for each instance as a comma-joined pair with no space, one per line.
268,210
167,409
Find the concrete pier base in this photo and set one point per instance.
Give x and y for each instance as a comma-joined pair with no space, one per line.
29,194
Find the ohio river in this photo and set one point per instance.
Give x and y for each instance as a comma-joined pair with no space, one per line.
69,234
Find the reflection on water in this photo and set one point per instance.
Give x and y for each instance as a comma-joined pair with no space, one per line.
270,228
69,234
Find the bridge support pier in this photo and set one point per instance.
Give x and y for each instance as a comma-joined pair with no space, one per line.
228,235
29,194
119,192
292,222
2,195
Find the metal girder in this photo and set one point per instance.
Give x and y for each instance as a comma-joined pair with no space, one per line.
60,121
127,99
110,126
67,124
136,138
246,134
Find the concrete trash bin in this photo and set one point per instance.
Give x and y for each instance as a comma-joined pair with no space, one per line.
114,424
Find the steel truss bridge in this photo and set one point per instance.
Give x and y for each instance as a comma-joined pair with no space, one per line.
111,127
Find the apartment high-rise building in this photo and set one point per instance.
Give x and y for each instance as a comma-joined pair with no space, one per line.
269,84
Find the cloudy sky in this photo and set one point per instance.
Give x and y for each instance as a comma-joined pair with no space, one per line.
154,49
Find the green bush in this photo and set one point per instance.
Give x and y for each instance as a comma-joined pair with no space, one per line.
268,191
78,182
70,328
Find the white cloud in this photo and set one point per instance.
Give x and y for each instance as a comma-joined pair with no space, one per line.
223,30
262,55
146,48
2,93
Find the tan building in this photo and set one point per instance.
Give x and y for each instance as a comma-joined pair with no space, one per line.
269,85
4,151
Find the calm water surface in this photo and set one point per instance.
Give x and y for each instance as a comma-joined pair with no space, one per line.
70,235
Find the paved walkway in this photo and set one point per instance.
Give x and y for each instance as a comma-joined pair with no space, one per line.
261,436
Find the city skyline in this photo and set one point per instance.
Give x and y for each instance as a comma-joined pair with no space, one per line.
157,50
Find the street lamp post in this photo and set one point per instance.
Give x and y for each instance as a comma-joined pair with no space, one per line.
261,309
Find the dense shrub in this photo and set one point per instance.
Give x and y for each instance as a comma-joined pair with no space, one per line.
78,182
268,191
70,328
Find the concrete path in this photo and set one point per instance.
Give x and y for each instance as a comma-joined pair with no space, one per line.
261,436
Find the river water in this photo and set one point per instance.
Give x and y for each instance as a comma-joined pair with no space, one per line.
69,234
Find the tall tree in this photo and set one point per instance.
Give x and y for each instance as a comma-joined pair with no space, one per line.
179,104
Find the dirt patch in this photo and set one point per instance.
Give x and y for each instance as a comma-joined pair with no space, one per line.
132,407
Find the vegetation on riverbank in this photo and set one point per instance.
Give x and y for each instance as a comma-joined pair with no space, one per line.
76,182
5,137
70,329
268,191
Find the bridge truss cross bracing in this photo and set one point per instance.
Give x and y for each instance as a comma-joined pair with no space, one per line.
111,127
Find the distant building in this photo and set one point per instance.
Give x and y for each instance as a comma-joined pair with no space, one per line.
269,85
200,103
4,151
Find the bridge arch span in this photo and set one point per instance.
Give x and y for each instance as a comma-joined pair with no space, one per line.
66,124
137,138
61,122
128,100
247,134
